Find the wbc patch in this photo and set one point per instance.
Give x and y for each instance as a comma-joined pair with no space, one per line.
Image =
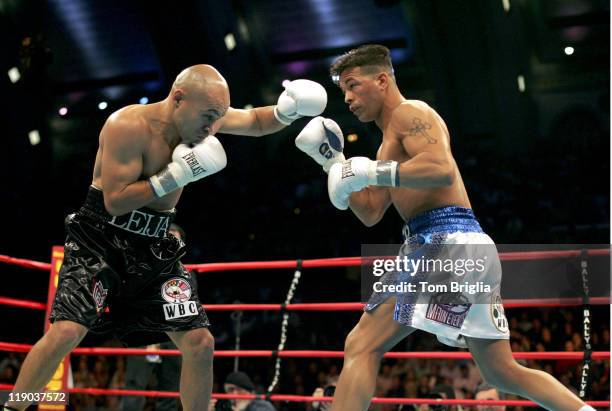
176,290
441,312
180,310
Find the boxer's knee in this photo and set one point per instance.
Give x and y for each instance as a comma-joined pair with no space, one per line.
66,334
198,345
357,345
352,345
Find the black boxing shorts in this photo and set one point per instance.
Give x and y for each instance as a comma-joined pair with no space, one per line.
130,265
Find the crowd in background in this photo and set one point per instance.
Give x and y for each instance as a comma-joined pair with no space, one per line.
540,198
546,329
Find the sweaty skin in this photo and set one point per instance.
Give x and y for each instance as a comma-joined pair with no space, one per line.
137,141
416,129
413,135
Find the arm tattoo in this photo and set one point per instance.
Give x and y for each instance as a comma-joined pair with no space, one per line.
419,127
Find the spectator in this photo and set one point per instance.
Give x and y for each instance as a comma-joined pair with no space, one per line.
327,391
485,391
238,382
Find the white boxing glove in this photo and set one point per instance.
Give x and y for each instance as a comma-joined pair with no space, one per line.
322,140
357,173
300,98
189,164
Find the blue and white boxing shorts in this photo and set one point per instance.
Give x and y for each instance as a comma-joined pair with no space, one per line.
454,305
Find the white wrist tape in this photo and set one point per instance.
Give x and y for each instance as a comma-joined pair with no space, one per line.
166,181
385,173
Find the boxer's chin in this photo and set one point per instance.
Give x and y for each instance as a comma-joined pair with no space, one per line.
193,140
363,117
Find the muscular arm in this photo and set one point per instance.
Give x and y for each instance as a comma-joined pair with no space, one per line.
371,203
123,144
424,137
254,122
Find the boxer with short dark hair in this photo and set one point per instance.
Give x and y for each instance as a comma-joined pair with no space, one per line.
118,253
415,172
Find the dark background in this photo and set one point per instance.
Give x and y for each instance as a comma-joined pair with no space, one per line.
535,162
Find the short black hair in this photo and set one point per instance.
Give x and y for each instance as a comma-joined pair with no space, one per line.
240,379
368,55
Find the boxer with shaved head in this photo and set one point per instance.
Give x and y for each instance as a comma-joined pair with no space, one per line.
118,253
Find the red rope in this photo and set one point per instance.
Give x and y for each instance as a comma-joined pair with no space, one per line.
322,262
305,398
356,261
510,303
33,305
25,263
244,307
457,355
548,255
553,302
260,265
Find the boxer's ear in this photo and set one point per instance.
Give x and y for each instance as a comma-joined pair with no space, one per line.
382,80
177,97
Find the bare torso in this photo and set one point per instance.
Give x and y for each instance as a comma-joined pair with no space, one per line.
410,202
156,155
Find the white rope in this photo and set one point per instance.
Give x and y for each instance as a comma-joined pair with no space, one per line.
283,338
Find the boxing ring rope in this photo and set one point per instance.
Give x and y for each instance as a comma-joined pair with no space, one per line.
448,355
13,302
305,398
509,303
318,263
325,262
329,262
357,261
36,265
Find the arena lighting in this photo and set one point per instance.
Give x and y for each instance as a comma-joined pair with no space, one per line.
14,75
351,138
230,41
34,137
63,111
102,105
506,5
521,83
143,100
569,50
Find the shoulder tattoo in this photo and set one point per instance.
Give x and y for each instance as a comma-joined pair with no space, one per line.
418,127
